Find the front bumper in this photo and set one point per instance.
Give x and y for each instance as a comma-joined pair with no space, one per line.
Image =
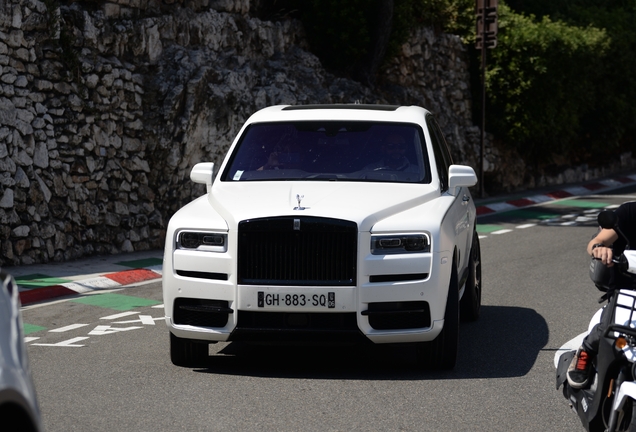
228,296
385,312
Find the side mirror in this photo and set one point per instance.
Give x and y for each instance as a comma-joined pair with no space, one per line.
460,176
202,173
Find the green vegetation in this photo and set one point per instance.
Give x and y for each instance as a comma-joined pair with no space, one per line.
542,83
571,66
560,82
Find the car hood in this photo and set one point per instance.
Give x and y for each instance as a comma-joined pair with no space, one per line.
363,203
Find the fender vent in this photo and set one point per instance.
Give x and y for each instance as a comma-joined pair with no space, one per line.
201,313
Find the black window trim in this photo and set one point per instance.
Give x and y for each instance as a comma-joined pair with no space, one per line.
225,177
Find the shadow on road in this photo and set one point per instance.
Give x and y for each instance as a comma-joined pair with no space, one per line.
505,342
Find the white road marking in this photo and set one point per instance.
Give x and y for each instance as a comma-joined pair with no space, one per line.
585,219
67,343
68,328
90,285
588,217
158,306
147,319
101,330
503,231
119,315
30,339
525,226
144,319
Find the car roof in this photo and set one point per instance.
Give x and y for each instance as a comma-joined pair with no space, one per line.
355,112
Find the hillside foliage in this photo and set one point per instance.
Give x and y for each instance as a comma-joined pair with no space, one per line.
560,83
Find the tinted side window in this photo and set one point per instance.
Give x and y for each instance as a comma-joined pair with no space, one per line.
440,149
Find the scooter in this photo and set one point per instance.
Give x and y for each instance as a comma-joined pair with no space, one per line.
608,404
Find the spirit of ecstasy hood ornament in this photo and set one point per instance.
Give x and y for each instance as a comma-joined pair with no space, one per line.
299,198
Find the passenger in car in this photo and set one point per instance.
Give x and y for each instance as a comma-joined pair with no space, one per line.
393,156
287,157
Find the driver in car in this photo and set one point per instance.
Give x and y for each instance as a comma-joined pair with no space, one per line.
393,150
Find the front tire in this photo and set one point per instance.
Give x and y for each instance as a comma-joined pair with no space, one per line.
471,300
441,353
187,353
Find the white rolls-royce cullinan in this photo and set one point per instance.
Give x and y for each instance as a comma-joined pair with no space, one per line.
327,223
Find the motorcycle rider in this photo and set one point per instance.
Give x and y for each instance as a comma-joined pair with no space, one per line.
604,246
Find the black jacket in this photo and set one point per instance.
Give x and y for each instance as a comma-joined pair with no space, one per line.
626,214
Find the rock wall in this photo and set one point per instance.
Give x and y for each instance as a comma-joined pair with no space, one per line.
106,105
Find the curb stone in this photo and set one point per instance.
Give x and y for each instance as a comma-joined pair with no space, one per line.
567,192
37,283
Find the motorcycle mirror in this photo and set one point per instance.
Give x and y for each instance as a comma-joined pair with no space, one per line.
607,219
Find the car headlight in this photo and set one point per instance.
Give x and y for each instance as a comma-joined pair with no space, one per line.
399,244
204,241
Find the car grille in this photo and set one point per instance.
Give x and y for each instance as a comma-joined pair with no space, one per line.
297,251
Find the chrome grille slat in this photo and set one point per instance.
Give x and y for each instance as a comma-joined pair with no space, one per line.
322,252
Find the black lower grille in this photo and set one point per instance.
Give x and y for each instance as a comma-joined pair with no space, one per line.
201,313
203,275
297,251
398,277
296,326
398,315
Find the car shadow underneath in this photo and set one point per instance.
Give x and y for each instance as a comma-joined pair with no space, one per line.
504,342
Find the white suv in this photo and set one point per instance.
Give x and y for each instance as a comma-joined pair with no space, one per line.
327,223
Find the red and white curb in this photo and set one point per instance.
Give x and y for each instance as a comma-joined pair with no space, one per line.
597,186
103,282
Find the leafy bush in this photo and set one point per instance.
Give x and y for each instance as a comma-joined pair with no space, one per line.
541,82
559,82
610,127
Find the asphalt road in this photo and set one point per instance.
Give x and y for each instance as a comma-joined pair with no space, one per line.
101,362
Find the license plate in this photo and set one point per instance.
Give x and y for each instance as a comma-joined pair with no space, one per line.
277,300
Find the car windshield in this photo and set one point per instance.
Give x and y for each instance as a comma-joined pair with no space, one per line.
330,150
